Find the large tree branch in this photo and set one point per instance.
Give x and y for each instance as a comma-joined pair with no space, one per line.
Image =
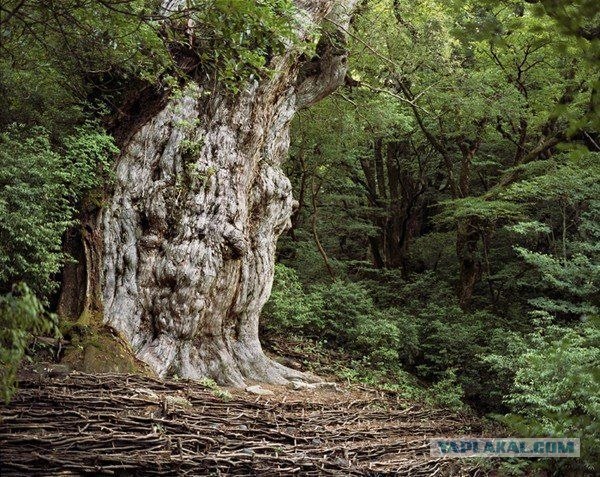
327,69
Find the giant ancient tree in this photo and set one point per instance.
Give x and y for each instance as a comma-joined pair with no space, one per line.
180,258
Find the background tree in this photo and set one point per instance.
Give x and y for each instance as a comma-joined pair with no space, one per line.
457,201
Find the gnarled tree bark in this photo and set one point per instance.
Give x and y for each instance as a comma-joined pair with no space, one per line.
189,234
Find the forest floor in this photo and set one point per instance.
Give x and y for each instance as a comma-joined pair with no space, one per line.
74,423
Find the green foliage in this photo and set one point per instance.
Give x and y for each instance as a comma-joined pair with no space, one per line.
556,386
568,179
463,143
479,210
576,279
243,36
342,314
565,197
34,210
56,54
88,153
63,60
21,315
217,391
448,392
39,186
352,321
289,308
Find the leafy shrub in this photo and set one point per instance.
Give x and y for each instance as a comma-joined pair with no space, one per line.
384,285
88,153
377,338
345,306
34,210
447,392
289,308
570,282
446,341
343,314
21,314
556,385
39,185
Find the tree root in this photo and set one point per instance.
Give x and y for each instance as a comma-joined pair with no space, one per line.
133,425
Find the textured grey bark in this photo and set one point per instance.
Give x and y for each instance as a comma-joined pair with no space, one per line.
189,234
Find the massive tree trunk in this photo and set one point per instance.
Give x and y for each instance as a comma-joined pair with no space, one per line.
189,234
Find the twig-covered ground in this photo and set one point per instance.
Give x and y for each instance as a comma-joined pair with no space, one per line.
132,425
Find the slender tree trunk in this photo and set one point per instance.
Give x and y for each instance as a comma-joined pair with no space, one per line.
375,246
395,196
396,208
467,238
297,214
467,234
186,257
313,220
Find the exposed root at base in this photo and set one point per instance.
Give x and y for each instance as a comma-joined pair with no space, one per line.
237,364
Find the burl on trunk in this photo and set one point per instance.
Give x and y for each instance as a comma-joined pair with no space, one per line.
180,260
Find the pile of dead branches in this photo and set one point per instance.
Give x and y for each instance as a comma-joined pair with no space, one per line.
131,425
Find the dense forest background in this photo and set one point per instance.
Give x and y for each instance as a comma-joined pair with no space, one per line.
446,239
448,226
